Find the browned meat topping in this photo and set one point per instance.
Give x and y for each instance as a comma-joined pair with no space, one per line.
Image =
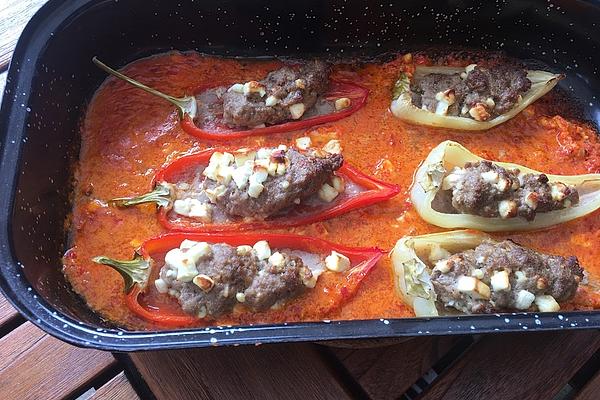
488,190
481,93
223,276
303,176
505,276
285,94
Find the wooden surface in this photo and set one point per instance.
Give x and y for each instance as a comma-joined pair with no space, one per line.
14,14
33,365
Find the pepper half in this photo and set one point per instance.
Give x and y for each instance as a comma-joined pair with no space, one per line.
403,108
371,191
447,155
137,272
187,110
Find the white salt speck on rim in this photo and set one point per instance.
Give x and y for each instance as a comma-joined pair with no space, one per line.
472,327
538,322
561,317
587,320
327,321
525,327
506,320
385,321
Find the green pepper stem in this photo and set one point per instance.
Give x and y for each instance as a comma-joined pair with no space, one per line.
161,195
133,271
402,85
185,105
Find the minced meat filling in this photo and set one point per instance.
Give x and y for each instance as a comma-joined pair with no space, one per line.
489,190
505,276
209,280
304,175
480,93
285,94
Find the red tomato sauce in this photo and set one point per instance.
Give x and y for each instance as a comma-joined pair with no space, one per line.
128,134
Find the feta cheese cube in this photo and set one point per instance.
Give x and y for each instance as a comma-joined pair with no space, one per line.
500,281
338,184
262,249
443,266
201,211
255,189
161,286
186,244
327,193
243,250
214,194
477,273
240,297
466,284
297,110
179,261
182,206
263,153
342,103
490,176
241,156
337,262
241,175
546,303
277,259
198,251
236,87
333,147
303,143
524,300
259,175
271,101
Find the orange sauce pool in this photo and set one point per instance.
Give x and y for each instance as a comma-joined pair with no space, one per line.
128,134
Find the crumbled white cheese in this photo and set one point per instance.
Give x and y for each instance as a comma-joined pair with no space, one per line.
490,176
242,174
284,184
337,262
333,147
214,194
254,87
338,183
179,261
547,303
271,101
243,250
297,110
236,87
342,103
242,156
490,102
473,287
240,297
437,253
443,266
327,193
531,199
277,259
507,208
499,281
186,244
262,249
161,286
524,300
312,281
198,251
303,143
453,178
300,83
477,273
502,185
441,108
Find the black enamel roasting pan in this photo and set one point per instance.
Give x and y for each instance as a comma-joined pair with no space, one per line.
51,78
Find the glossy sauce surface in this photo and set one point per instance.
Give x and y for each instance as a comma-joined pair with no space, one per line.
128,134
